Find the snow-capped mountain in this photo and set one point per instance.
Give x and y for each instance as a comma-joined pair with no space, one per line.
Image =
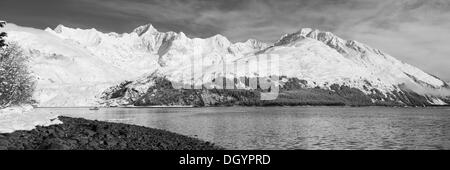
75,66
340,61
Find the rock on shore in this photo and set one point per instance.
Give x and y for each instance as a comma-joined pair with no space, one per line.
82,134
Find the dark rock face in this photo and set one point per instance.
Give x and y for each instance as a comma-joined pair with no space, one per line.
354,96
116,91
293,92
82,134
446,100
163,93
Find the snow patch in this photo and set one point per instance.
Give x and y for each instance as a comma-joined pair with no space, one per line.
437,101
24,118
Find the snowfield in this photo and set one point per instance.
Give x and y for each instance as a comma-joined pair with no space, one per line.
23,118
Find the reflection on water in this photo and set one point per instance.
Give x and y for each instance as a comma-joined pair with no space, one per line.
291,127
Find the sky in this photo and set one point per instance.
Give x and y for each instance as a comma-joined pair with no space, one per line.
414,31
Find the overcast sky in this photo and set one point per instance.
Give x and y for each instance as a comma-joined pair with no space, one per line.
414,31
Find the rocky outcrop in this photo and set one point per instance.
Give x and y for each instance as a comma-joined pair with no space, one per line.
293,92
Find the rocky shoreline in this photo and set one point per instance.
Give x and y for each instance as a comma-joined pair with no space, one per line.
82,134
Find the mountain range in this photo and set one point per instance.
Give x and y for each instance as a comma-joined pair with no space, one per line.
83,67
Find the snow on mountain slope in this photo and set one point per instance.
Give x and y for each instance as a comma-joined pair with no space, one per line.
124,51
60,63
73,66
325,59
321,59
355,60
147,47
168,53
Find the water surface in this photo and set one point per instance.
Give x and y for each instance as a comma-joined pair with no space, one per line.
291,127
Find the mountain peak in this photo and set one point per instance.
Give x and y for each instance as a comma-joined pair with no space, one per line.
255,43
325,37
144,29
252,41
221,40
59,28
306,31
220,37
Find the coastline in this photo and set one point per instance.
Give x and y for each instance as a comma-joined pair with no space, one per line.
83,134
237,105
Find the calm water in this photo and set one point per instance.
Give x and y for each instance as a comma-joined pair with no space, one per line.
292,127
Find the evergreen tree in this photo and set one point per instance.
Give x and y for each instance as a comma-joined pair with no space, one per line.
2,34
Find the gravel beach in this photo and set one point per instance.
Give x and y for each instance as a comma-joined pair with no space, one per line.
82,134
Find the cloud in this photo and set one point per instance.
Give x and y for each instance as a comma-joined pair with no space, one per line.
415,31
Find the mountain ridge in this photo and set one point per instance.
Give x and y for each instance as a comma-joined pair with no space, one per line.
318,59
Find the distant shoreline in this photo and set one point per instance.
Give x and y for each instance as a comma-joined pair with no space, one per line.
138,107
119,106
